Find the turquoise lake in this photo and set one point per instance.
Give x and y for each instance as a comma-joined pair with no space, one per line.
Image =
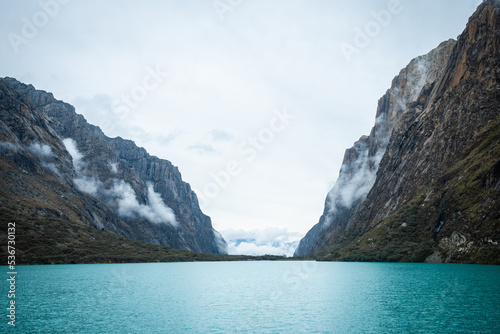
256,297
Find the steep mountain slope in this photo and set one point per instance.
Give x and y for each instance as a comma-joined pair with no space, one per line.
361,162
435,195
57,165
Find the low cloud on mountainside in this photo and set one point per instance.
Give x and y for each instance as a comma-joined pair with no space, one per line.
44,154
120,195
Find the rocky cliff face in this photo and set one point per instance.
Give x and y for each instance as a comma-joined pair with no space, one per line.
430,170
361,162
108,183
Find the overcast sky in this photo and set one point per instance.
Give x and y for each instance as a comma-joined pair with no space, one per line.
254,100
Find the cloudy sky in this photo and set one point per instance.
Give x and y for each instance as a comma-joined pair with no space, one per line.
254,100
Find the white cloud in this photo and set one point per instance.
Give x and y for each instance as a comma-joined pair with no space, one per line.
250,248
86,183
44,154
9,146
41,151
158,210
72,149
123,196
221,243
268,241
357,177
121,193
113,167
52,167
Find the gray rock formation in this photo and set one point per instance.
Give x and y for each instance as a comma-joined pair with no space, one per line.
435,191
120,186
361,162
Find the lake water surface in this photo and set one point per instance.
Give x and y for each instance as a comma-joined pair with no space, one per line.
256,297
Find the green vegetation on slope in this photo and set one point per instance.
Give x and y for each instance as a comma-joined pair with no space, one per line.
398,238
51,226
456,218
51,240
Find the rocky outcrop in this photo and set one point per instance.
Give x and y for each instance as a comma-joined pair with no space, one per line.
361,162
119,186
435,195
